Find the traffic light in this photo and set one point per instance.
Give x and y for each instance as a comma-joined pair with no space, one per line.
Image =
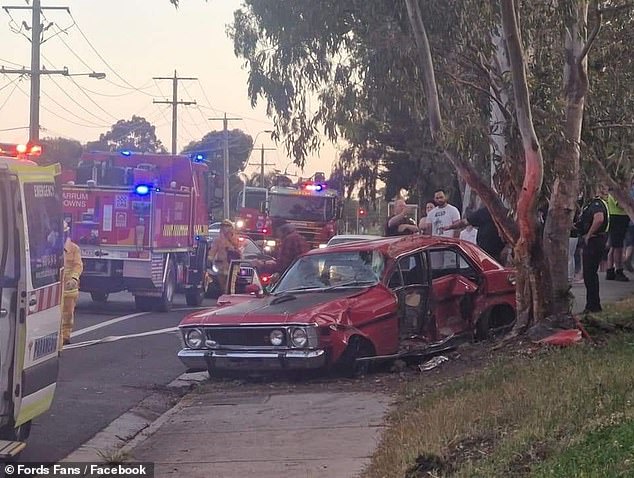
361,212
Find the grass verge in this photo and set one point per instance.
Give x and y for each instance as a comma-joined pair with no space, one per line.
560,412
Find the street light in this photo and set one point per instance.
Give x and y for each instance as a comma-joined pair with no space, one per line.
94,74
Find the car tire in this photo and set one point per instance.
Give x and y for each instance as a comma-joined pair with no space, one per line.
99,297
357,348
143,303
166,301
494,323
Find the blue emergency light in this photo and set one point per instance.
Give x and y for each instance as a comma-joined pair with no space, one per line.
198,157
142,189
126,153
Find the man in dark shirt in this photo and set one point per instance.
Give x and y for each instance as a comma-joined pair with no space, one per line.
488,238
594,225
293,245
399,224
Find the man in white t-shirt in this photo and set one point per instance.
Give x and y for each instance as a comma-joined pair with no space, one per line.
442,216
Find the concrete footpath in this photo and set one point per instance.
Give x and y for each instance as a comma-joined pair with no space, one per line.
288,435
279,435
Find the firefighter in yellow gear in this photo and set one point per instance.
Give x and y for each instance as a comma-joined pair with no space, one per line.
73,267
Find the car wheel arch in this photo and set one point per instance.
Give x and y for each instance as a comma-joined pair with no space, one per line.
500,317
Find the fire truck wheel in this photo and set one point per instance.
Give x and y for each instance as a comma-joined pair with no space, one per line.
143,304
100,297
167,298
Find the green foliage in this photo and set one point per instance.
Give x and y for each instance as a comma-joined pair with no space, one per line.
609,124
61,150
136,134
212,147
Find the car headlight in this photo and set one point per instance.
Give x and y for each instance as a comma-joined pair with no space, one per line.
271,243
194,338
214,268
277,337
239,223
323,246
299,338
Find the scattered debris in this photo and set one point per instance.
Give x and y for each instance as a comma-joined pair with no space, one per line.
432,363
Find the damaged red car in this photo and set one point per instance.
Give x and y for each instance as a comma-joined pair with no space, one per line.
349,304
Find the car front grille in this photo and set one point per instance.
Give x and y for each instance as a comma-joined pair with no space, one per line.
242,336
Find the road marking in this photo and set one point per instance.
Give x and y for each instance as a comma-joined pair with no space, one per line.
101,325
115,338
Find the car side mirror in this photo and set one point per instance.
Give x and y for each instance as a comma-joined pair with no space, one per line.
264,206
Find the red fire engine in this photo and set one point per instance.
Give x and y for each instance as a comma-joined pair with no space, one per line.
309,205
141,223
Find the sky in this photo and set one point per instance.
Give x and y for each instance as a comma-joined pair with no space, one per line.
132,41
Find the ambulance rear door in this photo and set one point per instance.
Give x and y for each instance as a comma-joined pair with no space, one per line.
10,255
37,351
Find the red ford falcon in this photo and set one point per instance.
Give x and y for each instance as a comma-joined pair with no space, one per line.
384,298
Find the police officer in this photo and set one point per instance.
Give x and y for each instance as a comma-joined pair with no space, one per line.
594,225
73,267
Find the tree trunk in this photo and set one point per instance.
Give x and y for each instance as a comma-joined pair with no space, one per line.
565,189
528,252
533,275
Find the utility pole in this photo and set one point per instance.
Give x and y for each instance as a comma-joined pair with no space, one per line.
175,79
262,163
225,169
37,29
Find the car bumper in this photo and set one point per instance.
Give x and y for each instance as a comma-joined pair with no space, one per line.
200,360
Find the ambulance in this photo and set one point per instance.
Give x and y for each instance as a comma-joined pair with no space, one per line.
31,262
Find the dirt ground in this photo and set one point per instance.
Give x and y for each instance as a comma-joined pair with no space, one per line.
385,378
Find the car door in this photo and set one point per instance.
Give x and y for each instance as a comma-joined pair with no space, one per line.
410,281
455,282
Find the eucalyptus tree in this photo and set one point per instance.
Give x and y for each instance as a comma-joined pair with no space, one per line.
350,69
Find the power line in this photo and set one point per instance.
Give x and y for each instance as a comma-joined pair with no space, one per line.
71,112
77,102
130,85
57,115
4,103
10,83
10,62
83,92
191,117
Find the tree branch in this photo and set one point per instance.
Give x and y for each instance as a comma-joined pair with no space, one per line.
592,37
429,77
502,106
612,126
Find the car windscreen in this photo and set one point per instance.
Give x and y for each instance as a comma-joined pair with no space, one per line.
301,208
334,270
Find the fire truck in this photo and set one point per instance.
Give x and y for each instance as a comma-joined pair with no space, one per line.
31,262
141,222
309,205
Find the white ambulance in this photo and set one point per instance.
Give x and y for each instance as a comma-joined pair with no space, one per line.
31,261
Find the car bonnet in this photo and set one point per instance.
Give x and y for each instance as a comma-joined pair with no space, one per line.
278,309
